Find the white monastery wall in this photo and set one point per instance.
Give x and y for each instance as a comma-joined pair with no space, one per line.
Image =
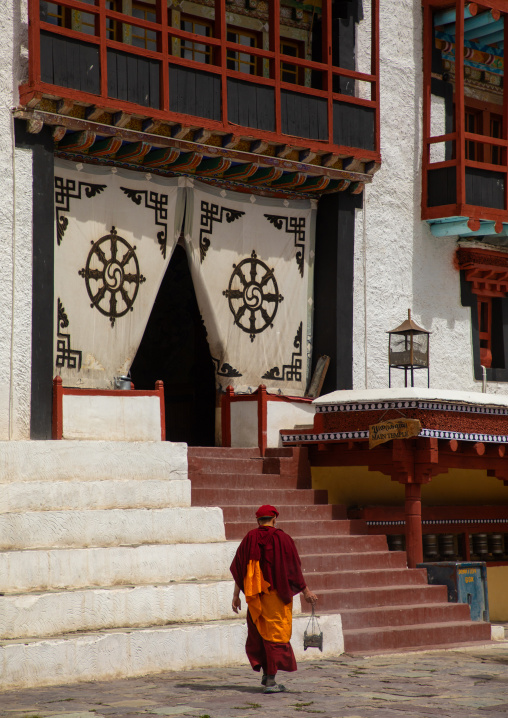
398,263
15,233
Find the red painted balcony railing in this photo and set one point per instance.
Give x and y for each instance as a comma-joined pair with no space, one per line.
94,67
460,176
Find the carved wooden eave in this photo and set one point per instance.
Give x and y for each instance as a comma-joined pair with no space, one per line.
252,170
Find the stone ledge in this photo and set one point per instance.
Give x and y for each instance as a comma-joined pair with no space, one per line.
119,654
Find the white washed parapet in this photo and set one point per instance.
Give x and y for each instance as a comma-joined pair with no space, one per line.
113,527
40,570
91,460
108,494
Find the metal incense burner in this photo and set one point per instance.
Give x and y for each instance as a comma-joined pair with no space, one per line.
313,636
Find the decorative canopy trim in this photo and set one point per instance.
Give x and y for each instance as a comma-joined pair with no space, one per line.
486,270
91,142
425,405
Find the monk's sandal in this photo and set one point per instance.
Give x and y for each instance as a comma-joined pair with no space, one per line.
277,688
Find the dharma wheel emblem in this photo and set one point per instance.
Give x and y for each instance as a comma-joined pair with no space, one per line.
253,296
112,276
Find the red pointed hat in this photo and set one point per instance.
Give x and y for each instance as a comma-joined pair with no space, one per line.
266,511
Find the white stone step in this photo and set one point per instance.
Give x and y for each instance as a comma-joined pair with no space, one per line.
114,527
119,654
91,460
108,494
55,613
54,569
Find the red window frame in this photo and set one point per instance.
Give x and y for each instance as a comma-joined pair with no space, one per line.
461,138
165,32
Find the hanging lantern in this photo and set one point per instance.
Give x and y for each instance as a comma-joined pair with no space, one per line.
408,349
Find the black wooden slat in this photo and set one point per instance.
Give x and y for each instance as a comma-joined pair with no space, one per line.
132,78
484,188
303,116
70,63
353,125
442,187
251,105
194,93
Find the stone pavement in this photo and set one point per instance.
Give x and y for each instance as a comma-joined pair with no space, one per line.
468,682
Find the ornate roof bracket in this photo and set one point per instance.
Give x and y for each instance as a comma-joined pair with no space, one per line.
86,141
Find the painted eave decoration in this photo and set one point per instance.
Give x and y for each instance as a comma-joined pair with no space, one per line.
228,167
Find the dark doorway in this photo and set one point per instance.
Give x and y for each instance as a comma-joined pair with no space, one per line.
174,348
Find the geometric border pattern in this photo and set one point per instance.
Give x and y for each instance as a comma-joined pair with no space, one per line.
429,405
435,522
433,433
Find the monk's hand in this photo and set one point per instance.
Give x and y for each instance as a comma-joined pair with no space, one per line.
309,596
236,604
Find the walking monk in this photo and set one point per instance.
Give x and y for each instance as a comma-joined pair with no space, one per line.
267,569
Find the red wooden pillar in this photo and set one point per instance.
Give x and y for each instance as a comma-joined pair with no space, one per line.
57,408
413,515
262,418
225,412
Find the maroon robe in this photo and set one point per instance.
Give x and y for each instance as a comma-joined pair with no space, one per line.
281,567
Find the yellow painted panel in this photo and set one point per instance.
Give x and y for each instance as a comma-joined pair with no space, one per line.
357,486
497,583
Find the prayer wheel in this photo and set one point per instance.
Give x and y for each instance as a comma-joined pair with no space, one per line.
430,547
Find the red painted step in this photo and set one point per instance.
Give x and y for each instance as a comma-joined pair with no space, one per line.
339,599
296,512
263,482
347,562
384,605
368,579
237,530
216,496
402,615
339,544
426,635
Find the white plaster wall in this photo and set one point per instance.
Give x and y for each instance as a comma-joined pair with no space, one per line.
15,236
111,418
398,264
244,423
286,415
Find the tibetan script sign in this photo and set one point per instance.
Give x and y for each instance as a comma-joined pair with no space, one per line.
393,429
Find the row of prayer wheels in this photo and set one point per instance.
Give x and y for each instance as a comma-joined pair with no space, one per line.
450,547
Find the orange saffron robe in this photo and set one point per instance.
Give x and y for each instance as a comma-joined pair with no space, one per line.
272,617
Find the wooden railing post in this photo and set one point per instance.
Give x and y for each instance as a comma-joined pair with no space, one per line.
226,416
159,386
262,418
57,428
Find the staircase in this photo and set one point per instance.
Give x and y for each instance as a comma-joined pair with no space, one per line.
384,605
106,571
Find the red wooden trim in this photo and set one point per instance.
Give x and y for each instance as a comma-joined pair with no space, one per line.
352,100
460,128
159,388
439,138
162,16
274,20
68,32
57,427
426,100
226,400
376,71
446,210
221,30
103,35
440,165
73,391
262,419
126,19
76,5
327,39
486,166
486,139
34,42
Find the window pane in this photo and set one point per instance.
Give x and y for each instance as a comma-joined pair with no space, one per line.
196,51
